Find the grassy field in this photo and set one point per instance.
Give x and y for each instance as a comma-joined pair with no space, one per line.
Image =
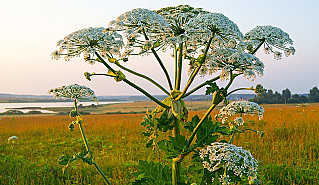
288,154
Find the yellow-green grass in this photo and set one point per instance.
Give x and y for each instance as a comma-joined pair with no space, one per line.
288,154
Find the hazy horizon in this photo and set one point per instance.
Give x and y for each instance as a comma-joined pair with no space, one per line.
31,29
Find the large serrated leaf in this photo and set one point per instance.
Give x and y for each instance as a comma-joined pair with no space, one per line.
174,146
151,173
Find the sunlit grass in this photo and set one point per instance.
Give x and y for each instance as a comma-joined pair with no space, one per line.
289,152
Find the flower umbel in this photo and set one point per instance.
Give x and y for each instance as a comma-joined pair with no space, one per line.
75,92
12,139
231,159
242,107
88,41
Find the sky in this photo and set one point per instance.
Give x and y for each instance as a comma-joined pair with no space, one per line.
30,30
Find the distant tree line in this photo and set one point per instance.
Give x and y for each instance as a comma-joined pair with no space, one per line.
269,97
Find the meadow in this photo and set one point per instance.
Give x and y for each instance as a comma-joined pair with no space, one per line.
288,154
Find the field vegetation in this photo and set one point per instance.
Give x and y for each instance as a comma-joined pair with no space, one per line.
288,154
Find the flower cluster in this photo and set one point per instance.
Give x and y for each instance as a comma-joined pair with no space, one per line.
242,107
228,158
274,39
228,60
11,139
75,92
204,26
88,41
135,23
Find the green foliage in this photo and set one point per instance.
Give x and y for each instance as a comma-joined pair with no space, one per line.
151,173
288,174
153,124
212,88
83,155
174,146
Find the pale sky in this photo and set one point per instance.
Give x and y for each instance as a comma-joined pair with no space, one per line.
30,30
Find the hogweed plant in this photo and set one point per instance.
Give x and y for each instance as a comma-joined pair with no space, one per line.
77,92
210,44
12,141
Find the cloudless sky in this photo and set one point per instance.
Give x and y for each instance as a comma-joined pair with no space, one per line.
30,30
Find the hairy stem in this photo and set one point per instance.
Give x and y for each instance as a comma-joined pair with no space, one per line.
192,77
87,145
132,84
142,76
179,67
176,166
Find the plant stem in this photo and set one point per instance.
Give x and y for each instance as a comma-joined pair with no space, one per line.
199,124
179,67
200,86
176,172
143,76
231,92
160,63
88,149
192,77
132,84
260,44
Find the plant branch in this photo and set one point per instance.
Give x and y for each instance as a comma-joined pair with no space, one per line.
200,86
179,67
142,76
160,63
132,84
260,44
191,78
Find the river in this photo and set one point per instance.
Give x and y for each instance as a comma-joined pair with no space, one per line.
26,107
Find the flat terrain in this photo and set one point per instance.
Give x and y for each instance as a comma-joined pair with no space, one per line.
288,154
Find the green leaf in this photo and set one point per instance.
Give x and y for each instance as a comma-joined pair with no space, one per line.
192,124
212,88
66,159
85,157
164,122
174,146
151,173
206,132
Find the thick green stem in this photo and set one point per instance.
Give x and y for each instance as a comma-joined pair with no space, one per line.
179,67
132,84
176,166
192,77
142,76
160,63
176,130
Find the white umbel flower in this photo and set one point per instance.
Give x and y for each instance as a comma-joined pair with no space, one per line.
88,41
74,92
12,139
242,107
234,159
274,38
